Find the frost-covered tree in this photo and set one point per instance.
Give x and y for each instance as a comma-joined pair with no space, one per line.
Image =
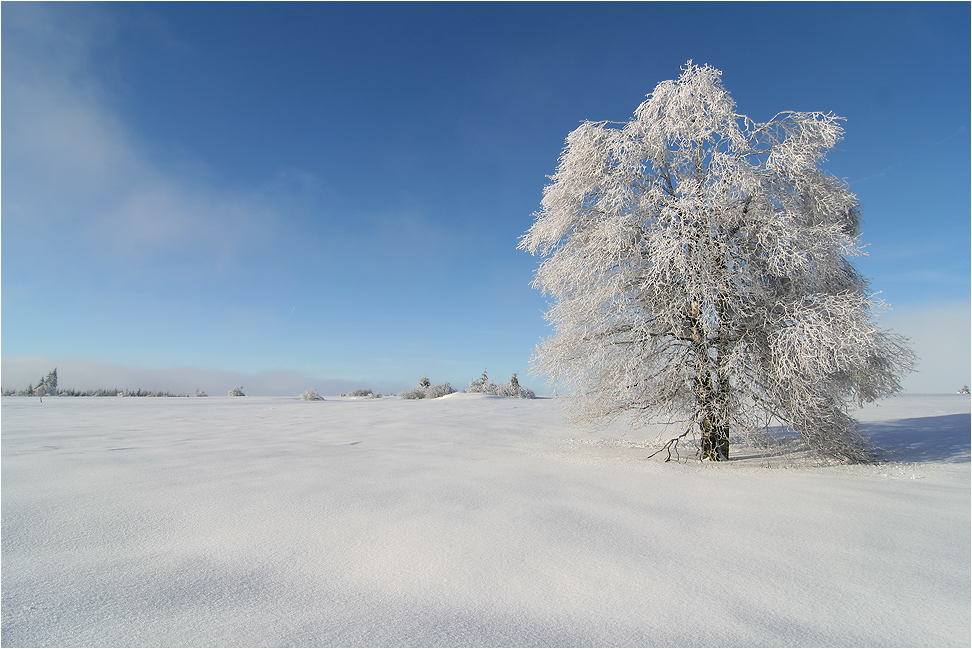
236,392
514,389
426,390
698,266
311,395
484,385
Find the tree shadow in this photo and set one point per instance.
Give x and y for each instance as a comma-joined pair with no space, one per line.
943,438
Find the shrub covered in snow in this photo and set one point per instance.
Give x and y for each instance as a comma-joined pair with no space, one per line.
426,390
200,393
413,393
361,393
236,392
514,389
484,385
311,395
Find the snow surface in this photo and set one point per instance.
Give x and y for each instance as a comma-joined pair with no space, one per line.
467,520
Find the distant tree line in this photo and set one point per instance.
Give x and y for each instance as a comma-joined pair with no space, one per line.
47,386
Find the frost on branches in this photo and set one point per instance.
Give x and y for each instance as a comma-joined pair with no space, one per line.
483,385
698,266
426,390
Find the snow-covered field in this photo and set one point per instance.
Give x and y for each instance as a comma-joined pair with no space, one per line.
467,520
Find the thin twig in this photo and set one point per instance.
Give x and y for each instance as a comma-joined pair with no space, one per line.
670,446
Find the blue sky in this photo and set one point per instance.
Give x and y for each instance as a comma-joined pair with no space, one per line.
330,195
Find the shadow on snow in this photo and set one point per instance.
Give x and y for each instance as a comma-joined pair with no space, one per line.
940,438
943,438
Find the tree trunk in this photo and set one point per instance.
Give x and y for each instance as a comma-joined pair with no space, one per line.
715,440
713,422
713,413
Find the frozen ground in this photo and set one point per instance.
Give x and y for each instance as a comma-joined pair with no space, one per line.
468,520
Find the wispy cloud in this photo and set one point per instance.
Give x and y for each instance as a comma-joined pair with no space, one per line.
79,180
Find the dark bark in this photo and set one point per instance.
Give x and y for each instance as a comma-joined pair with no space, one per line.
713,418
715,438
712,400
